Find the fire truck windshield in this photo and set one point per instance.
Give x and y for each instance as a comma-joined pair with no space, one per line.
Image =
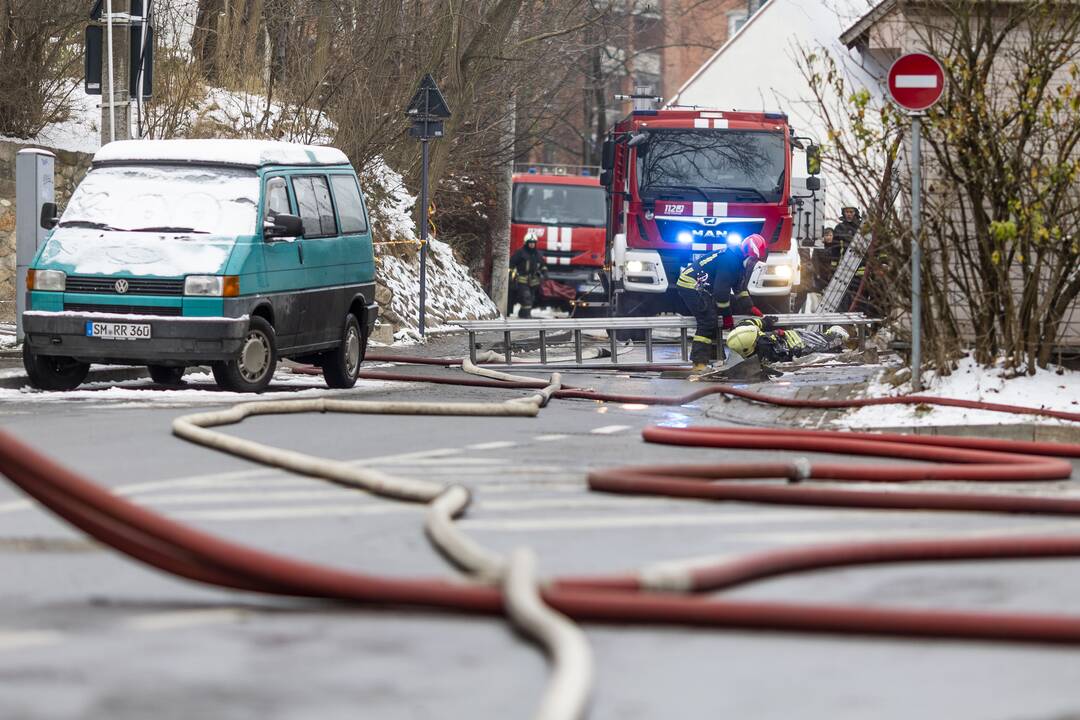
550,204
719,165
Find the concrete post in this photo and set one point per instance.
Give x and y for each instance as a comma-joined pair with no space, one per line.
35,185
115,99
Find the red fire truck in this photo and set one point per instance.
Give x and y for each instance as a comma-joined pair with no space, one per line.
567,215
684,182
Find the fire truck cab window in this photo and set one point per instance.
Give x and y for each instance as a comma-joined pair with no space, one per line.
549,204
717,165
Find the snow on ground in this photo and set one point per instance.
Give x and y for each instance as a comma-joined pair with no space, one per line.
452,293
970,381
199,389
79,133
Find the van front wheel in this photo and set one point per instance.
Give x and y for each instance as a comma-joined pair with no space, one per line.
49,372
253,367
341,365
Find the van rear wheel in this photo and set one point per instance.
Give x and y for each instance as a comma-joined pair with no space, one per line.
341,365
51,372
253,367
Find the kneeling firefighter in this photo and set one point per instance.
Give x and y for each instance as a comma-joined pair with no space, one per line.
773,344
709,286
527,270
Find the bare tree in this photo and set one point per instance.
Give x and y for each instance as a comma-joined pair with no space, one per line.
40,52
1002,218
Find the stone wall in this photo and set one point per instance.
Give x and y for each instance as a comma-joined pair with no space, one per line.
70,169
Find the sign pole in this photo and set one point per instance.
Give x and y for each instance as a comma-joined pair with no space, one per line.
423,230
916,253
427,110
916,83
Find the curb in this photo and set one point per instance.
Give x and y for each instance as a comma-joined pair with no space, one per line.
1029,432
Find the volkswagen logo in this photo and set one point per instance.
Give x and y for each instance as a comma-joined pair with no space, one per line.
121,286
710,221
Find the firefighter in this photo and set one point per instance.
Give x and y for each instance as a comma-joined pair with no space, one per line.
710,285
843,234
823,265
527,270
773,344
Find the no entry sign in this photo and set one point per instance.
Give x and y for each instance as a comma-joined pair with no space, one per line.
916,81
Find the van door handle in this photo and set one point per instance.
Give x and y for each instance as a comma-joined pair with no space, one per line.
300,250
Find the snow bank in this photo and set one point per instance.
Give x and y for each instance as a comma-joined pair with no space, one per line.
970,381
452,293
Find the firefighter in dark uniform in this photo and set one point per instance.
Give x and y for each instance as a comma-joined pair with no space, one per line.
772,344
709,286
527,270
843,234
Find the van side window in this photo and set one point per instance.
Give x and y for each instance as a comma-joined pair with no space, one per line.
350,207
316,208
277,198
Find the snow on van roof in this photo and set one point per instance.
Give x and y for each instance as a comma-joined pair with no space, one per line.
253,153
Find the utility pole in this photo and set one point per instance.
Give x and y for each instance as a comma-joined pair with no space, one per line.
115,100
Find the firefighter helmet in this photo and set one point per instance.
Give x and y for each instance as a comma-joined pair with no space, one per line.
755,246
743,340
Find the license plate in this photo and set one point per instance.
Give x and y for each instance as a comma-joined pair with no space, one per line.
117,331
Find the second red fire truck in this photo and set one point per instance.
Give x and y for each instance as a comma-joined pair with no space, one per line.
567,216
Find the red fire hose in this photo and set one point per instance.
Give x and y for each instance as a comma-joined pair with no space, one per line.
196,555
177,549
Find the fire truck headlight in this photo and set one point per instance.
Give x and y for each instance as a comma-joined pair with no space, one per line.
782,271
635,266
685,237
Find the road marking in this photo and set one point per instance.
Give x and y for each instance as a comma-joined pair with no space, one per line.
497,445
564,502
610,429
186,619
20,639
549,438
311,511
598,522
251,497
16,505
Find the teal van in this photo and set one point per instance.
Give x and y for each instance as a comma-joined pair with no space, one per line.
231,253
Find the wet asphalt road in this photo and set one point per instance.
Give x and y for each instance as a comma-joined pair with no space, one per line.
87,634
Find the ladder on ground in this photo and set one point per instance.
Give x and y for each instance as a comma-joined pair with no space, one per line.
845,271
671,323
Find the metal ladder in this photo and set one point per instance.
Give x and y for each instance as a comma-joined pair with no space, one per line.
671,323
845,271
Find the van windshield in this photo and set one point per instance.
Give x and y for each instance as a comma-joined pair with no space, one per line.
164,198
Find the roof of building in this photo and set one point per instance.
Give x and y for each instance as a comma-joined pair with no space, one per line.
251,153
867,21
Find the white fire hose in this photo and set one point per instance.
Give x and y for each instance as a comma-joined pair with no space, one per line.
567,694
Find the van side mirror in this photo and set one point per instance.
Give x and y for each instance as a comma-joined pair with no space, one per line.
813,160
813,183
50,218
606,178
284,226
607,155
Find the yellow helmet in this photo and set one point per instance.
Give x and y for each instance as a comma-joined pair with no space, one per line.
743,340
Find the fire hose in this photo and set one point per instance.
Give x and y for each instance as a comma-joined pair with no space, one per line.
501,586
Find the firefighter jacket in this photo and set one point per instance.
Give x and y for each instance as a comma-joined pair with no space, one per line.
843,234
786,345
527,267
724,273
